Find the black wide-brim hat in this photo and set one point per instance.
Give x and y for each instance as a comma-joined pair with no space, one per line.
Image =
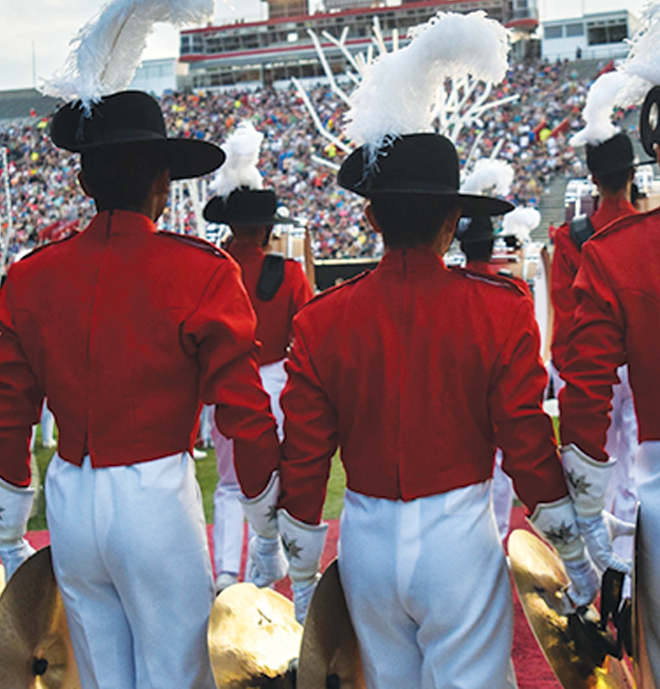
415,164
612,155
476,229
246,207
131,117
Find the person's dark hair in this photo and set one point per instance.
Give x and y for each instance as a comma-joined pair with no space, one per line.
121,176
478,251
614,181
251,231
408,220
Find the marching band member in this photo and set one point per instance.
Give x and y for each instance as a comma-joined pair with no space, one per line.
418,372
128,331
277,289
124,328
612,166
616,322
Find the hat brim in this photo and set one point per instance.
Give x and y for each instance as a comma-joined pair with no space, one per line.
606,170
471,204
216,211
188,157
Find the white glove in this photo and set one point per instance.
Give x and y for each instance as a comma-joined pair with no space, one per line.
13,556
587,481
266,562
15,509
598,533
556,523
303,544
261,511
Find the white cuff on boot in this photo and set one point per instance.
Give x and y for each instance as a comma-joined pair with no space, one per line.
261,511
587,480
15,509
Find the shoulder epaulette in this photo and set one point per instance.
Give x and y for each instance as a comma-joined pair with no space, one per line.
271,277
49,245
495,280
625,221
196,242
580,229
335,288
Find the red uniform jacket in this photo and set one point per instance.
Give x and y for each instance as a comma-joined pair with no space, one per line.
127,330
418,372
617,320
274,316
565,263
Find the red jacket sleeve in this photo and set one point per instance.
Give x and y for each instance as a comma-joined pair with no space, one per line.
21,399
522,429
311,437
302,292
221,334
597,349
565,264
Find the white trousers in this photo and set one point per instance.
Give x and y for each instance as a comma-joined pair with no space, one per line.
622,494
428,590
648,477
228,514
131,558
503,494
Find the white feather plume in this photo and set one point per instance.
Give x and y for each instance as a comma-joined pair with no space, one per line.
399,91
491,177
520,222
240,166
625,86
108,49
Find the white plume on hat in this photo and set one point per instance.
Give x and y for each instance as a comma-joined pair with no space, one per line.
240,167
490,177
108,49
627,85
520,222
398,92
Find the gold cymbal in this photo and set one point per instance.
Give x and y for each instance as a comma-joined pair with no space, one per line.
35,647
540,580
253,634
329,645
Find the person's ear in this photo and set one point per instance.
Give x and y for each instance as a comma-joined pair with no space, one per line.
369,214
83,184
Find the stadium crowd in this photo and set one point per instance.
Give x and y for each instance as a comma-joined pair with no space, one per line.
532,133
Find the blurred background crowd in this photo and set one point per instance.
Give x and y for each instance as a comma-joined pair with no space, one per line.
532,133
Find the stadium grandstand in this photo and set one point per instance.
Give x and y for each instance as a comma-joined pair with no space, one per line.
532,133
281,47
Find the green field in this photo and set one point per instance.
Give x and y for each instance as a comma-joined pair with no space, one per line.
207,477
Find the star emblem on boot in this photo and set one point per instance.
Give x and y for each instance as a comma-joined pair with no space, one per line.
2,509
271,514
291,546
562,534
578,483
